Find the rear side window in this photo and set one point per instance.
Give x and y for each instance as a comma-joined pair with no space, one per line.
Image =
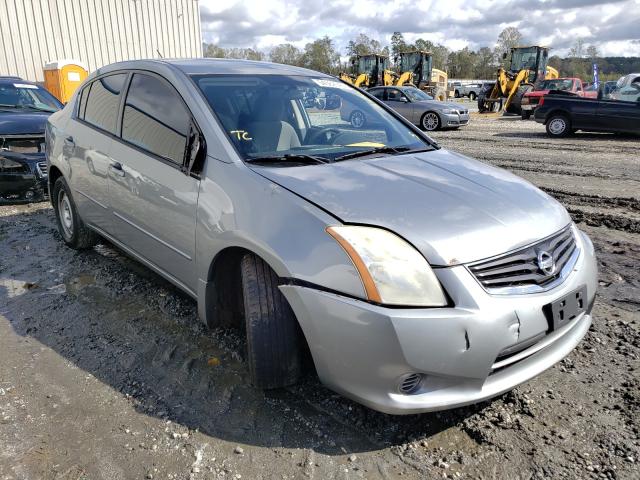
155,118
378,93
102,102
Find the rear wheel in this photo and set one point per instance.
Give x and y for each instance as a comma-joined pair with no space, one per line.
558,126
456,94
472,96
430,121
526,114
72,229
274,339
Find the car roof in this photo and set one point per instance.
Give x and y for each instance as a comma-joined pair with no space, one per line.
199,66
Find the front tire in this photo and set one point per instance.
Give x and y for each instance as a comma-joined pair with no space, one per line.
73,230
274,339
430,121
558,126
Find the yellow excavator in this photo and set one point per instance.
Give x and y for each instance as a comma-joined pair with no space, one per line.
527,66
416,68
370,71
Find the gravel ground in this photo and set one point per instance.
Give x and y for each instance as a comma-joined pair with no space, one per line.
106,373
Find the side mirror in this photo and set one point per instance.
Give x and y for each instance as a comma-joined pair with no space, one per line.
404,99
195,152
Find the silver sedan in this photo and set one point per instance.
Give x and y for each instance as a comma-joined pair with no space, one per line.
417,278
422,109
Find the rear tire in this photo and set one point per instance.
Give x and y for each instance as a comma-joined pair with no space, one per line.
526,115
73,230
274,339
456,94
472,96
558,125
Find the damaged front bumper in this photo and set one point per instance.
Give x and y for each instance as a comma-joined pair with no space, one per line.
23,177
483,346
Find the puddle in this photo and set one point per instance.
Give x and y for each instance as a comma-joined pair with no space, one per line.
76,284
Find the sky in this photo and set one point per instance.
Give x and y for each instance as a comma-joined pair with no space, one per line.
613,26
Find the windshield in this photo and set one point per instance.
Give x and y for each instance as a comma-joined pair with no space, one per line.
524,59
278,115
27,96
416,95
557,84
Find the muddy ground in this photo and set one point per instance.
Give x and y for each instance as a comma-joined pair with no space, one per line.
106,373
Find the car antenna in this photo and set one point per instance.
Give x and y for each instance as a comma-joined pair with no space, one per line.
157,50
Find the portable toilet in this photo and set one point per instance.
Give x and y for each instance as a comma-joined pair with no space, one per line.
62,77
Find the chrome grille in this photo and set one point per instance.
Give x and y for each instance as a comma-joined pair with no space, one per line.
521,272
42,168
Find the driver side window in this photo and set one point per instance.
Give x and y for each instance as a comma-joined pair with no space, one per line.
394,95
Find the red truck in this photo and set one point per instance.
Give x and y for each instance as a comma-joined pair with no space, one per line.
573,85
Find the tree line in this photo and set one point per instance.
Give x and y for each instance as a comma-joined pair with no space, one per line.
322,55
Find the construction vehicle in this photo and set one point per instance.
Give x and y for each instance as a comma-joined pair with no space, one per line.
527,66
370,70
416,68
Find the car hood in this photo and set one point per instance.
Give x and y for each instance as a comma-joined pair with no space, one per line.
536,93
17,122
452,208
437,105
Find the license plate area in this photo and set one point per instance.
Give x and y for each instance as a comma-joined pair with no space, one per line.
565,309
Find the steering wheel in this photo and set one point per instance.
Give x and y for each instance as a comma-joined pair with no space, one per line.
324,136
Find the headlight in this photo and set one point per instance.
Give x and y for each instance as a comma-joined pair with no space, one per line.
446,110
392,271
10,165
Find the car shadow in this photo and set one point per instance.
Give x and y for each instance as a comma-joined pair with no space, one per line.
133,331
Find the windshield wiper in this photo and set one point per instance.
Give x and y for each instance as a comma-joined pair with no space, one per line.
364,153
290,158
6,105
39,109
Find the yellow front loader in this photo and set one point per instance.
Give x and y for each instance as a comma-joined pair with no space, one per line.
370,71
527,66
416,68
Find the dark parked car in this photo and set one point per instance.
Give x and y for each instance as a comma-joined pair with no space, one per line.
563,114
24,109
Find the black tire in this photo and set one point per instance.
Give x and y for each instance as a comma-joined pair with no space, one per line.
472,96
456,94
430,121
526,114
274,339
73,230
516,102
558,125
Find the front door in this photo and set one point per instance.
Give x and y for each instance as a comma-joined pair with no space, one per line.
87,144
153,201
400,103
624,116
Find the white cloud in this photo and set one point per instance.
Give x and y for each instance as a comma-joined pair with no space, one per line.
613,26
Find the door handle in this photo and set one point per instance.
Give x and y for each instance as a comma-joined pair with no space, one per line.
69,141
116,167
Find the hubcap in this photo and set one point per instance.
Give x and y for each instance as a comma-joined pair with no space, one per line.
557,126
430,121
357,119
65,213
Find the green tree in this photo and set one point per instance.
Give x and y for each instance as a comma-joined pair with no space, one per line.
321,55
286,53
213,51
485,64
363,45
398,45
509,37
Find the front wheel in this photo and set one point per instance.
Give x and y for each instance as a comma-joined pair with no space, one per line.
430,121
456,94
73,230
558,126
274,339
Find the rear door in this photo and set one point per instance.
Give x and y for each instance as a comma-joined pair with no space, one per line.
153,200
87,143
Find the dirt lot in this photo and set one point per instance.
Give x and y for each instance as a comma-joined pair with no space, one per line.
106,373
